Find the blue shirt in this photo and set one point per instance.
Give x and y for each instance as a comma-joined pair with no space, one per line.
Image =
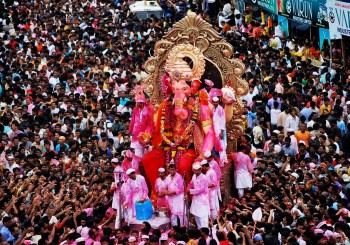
289,150
6,234
306,112
123,101
58,147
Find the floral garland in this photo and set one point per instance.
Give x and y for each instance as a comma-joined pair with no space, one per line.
188,129
162,120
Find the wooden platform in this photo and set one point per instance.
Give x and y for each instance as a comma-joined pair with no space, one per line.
161,223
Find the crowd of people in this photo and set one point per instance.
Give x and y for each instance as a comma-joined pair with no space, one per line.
66,72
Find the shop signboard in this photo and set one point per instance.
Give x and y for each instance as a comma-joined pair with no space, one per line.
339,18
268,5
312,12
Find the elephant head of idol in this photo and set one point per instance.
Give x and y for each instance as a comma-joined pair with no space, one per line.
184,63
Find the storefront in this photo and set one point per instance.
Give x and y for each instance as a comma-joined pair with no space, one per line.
307,19
339,29
267,8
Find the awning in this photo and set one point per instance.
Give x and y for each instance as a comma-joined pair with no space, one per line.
300,26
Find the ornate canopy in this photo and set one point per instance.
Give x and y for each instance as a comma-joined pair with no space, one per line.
192,31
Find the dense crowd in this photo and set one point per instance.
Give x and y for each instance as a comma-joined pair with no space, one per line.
67,70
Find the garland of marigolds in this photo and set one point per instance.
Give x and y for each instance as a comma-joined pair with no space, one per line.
188,129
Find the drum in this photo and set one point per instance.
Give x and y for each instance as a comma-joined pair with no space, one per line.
162,212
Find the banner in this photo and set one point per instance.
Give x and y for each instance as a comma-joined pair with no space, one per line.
312,12
339,17
324,35
268,5
283,21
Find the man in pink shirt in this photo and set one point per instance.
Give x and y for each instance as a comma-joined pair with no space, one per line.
29,103
175,195
198,187
141,122
136,190
93,236
160,187
213,186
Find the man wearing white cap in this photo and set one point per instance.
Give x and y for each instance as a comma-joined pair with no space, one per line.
213,186
198,187
141,122
136,190
10,164
116,188
160,187
175,195
219,123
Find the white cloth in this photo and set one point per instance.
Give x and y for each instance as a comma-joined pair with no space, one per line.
292,122
117,203
243,170
83,231
200,201
202,222
219,122
274,113
213,192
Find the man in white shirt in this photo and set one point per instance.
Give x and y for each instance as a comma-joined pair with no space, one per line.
278,34
274,113
94,118
292,121
139,74
54,79
51,47
251,93
10,163
279,88
219,123
83,230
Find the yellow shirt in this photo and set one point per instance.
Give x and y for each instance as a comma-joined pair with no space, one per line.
323,107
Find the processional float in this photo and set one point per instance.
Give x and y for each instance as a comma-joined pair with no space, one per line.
190,52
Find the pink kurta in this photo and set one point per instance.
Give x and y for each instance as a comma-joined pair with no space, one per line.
243,170
175,202
200,201
141,121
135,190
116,194
215,166
213,191
126,165
160,186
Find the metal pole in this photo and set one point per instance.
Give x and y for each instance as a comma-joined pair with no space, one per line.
120,199
185,199
343,51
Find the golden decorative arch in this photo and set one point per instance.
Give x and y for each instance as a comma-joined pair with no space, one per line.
175,63
196,32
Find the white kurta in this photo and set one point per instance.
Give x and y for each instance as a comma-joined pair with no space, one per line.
219,122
